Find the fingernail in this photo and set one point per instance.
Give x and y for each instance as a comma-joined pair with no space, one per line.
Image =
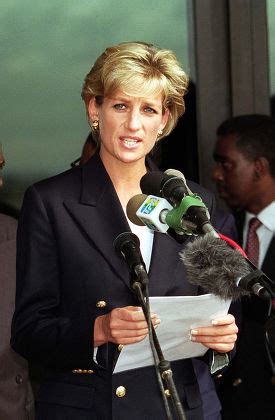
157,321
215,322
194,332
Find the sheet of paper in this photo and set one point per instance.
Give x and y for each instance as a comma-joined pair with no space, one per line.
178,315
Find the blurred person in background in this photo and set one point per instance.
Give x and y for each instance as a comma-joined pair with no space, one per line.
16,399
244,174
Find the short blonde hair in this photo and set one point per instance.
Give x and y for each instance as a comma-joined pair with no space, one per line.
138,69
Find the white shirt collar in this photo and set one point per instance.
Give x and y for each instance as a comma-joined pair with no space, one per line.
266,216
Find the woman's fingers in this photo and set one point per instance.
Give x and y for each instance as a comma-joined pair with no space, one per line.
220,336
128,325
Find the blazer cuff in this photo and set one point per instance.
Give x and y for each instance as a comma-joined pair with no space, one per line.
218,361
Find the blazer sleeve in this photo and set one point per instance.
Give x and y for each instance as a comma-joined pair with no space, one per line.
39,329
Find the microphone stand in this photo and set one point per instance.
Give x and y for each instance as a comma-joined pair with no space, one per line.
139,281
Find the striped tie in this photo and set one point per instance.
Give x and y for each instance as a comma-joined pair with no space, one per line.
252,242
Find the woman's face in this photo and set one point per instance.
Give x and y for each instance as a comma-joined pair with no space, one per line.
128,125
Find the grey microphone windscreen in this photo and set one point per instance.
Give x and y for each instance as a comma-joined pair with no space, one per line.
216,267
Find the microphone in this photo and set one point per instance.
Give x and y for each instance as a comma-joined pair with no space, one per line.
127,245
207,227
167,186
157,214
178,174
132,206
149,210
189,209
219,269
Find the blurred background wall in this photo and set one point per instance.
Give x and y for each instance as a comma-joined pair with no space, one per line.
226,46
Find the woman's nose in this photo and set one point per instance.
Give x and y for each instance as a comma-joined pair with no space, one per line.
134,120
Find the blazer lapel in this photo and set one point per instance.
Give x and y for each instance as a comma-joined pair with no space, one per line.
239,219
268,266
166,265
99,214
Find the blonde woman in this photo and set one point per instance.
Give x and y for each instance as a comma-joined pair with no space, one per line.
75,307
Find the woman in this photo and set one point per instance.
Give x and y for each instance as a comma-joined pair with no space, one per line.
75,307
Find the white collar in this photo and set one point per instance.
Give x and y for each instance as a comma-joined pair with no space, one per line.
266,216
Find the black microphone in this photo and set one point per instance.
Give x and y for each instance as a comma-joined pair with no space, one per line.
171,187
178,174
199,215
127,245
189,208
219,269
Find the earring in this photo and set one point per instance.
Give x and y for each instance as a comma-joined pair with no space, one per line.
95,125
160,132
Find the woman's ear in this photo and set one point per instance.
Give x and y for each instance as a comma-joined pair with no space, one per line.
92,109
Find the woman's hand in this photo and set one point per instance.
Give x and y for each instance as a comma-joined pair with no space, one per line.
122,326
220,336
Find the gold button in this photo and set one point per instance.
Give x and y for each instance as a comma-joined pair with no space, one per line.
120,347
77,371
85,371
120,391
167,392
237,382
101,304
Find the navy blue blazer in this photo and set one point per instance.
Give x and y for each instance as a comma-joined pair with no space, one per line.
66,268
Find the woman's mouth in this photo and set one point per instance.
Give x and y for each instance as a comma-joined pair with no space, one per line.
129,141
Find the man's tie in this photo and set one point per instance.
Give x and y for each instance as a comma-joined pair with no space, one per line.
252,243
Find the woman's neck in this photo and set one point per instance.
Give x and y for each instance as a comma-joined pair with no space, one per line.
126,178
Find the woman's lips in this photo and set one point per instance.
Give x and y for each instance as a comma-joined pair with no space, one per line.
130,141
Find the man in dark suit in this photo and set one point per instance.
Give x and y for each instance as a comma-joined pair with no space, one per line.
16,400
245,179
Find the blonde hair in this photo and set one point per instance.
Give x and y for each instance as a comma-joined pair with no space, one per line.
138,69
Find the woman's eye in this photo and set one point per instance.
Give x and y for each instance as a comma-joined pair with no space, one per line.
149,110
119,106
